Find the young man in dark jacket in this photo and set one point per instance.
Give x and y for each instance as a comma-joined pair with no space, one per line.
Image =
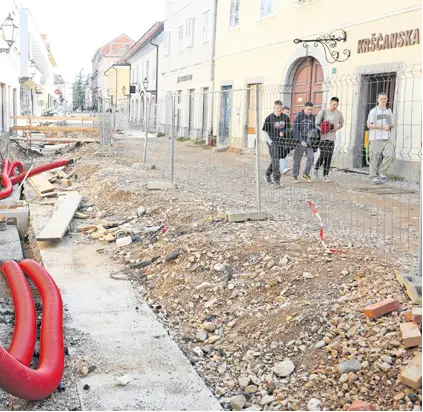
276,129
305,139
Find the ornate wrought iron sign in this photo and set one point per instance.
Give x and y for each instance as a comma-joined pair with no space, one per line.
329,42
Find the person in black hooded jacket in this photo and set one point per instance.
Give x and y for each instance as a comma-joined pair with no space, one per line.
306,138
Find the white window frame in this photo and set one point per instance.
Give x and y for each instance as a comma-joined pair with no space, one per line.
167,43
190,32
266,11
233,13
181,39
206,26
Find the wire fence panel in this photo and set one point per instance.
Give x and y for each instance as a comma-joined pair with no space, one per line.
208,142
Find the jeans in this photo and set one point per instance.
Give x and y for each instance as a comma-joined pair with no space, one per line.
298,155
276,152
382,154
325,158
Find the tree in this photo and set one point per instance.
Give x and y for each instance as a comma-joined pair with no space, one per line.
79,86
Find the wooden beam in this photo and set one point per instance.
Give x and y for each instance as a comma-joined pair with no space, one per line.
68,129
57,118
57,140
59,222
42,183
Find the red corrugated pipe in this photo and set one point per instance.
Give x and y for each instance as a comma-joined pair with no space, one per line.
5,180
39,169
13,166
23,342
21,381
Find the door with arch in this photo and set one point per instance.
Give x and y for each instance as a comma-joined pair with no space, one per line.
307,86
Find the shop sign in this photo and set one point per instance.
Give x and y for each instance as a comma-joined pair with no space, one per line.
388,41
184,78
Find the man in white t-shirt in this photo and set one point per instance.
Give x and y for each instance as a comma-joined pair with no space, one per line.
381,148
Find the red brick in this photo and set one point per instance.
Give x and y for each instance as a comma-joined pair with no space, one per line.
417,315
408,316
361,406
379,309
411,375
411,335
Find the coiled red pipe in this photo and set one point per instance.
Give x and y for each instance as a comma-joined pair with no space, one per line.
39,169
13,166
5,180
23,342
21,381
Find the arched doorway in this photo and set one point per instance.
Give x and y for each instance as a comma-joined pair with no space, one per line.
307,86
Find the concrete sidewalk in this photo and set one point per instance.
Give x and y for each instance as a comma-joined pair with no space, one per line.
121,339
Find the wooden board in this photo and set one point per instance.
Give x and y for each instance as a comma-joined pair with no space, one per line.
42,184
57,140
48,129
57,118
59,222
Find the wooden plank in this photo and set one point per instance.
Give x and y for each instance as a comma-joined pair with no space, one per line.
59,222
42,183
63,129
56,118
57,140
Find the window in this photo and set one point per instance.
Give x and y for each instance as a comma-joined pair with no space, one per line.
234,14
206,26
266,8
180,39
190,27
167,43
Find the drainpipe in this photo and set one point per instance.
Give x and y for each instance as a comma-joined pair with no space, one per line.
212,64
157,69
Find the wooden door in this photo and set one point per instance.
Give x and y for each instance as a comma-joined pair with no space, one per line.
307,86
251,126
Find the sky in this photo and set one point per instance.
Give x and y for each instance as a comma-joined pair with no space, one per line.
77,28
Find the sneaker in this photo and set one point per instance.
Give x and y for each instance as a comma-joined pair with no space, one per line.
316,174
307,177
383,178
286,170
295,180
326,179
278,185
376,181
268,179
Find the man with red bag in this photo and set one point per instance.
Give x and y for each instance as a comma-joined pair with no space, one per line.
328,121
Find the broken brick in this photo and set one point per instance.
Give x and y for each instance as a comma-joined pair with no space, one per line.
411,335
411,375
376,310
408,316
417,315
361,406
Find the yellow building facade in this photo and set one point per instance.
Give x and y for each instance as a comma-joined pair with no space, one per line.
255,47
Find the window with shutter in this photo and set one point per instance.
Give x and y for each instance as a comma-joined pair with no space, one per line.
266,8
180,39
206,26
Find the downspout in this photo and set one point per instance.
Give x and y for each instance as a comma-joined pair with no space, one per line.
212,65
157,82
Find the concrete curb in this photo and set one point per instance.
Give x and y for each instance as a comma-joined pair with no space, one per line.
413,286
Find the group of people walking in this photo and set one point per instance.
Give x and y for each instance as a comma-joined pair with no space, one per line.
311,133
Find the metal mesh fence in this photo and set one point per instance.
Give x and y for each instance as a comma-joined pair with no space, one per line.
208,142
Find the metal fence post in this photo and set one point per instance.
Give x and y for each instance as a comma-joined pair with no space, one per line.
172,138
419,271
258,150
147,125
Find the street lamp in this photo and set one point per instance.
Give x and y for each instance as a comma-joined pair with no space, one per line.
32,69
9,33
145,83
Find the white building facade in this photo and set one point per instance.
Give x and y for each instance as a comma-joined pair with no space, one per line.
37,91
9,69
145,63
187,56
